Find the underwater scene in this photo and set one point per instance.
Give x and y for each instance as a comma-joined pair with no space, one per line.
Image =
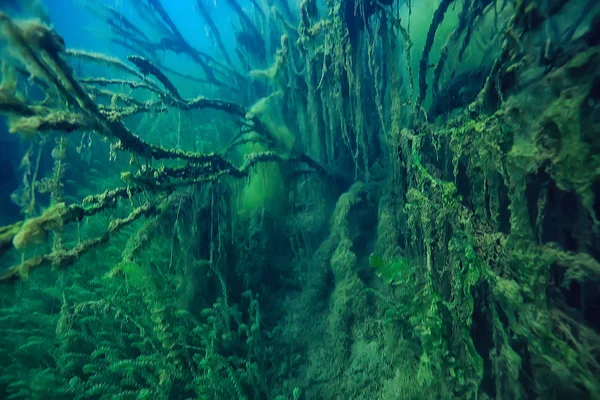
300,199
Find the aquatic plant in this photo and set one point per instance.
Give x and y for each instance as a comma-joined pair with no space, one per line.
362,199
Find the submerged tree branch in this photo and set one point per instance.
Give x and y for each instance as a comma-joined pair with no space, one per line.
64,258
146,67
438,17
214,30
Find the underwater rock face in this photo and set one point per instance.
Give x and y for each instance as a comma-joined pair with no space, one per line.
324,199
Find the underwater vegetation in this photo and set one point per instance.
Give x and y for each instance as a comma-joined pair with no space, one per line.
318,199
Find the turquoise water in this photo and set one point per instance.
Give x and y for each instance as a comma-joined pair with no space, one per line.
284,199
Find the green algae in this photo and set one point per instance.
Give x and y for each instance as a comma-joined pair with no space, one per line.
447,258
